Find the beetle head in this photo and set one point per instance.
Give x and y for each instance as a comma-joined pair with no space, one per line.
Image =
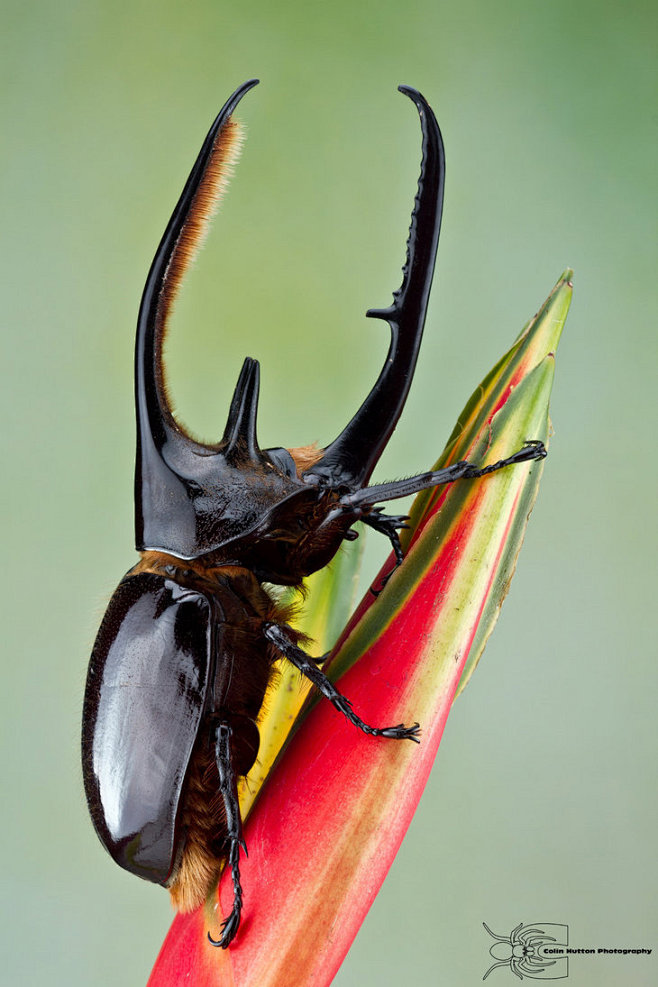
232,501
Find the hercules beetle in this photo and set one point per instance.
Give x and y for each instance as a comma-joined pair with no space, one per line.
187,646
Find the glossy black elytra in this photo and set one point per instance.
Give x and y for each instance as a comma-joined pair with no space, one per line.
187,645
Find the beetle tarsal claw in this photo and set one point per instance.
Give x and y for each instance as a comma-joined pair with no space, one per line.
229,929
231,924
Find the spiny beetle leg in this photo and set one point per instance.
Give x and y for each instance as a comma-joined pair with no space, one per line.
228,789
382,582
532,449
463,470
279,636
389,525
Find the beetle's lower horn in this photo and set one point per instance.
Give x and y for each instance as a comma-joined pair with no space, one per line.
352,457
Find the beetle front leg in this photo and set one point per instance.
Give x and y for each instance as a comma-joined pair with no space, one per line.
279,636
228,789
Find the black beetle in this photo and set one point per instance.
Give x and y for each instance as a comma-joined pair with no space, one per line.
187,646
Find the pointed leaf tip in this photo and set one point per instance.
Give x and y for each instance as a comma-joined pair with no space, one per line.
325,834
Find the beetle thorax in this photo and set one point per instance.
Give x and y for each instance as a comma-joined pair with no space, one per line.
297,538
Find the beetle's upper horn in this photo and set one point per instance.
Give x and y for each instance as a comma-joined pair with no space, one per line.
168,459
352,457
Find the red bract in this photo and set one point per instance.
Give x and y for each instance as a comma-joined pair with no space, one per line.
328,824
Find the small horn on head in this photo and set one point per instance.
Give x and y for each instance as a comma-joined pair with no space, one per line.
240,431
351,458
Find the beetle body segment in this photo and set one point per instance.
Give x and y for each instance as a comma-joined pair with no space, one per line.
161,676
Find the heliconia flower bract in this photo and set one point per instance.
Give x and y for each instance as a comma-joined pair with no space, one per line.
328,823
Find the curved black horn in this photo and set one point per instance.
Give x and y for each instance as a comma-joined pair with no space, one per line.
164,451
352,457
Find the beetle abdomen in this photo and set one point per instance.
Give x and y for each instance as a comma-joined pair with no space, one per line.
202,832
180,650
146,691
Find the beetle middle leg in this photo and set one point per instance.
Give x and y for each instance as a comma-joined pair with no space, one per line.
280,637
228,789
389,525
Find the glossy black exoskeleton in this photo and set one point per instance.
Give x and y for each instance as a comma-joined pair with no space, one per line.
187,646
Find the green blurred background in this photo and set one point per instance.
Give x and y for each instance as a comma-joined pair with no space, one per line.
542,806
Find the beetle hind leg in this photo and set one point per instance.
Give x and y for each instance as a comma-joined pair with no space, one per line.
228,790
